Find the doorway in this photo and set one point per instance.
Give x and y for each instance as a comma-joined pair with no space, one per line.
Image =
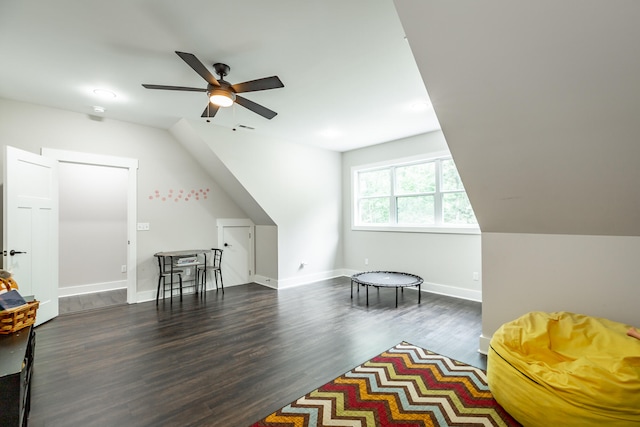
102,169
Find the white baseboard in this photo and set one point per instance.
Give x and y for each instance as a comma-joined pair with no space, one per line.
308,279
145,296
452,291
68,291
447,290
265,281
484,345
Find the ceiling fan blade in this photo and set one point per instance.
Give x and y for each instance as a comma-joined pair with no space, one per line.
256,108
198,67
259,84
189,89
210,110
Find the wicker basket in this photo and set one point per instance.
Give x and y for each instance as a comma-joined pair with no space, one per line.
14,319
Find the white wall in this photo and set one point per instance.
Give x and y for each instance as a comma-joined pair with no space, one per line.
92,227
164,166
266,242
446,262
593,275
298,187
544,130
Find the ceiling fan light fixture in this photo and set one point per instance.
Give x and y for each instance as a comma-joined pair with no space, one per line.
222,98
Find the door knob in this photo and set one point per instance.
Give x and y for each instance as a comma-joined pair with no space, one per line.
14,252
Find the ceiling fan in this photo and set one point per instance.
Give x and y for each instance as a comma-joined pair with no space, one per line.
222,93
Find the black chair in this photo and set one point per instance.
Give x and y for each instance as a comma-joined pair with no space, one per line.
214,266
165,271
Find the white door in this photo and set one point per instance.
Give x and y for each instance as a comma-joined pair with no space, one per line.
30,233
236,254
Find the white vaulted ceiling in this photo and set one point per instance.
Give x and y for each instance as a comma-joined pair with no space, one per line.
350,78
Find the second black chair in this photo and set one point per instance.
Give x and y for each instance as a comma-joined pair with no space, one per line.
214,266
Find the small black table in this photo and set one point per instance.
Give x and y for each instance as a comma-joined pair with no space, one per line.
386,279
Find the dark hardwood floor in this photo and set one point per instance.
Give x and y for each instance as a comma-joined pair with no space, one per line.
77,303
229,360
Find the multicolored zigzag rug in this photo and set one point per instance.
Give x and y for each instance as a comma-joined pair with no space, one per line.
404,386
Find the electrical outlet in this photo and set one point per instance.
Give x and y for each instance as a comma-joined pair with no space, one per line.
143,226
123,269
476,276
366,261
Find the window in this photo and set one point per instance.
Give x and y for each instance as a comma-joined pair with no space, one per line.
419,194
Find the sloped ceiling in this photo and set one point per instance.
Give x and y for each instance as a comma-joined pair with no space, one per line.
540,105
333,56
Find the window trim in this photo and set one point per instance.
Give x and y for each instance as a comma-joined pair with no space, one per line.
406,161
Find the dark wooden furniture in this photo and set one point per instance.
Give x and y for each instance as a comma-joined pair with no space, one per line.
171,263
386,279
17,351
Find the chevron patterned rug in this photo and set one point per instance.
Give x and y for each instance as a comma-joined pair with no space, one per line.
404,386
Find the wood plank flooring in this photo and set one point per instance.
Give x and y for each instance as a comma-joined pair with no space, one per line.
75,303
229,359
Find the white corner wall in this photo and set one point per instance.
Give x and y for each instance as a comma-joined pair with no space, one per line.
593,275
298,187
266,253
446,262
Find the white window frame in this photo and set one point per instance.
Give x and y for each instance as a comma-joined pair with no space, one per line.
437,228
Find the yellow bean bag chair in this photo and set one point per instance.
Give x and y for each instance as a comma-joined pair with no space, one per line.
566,369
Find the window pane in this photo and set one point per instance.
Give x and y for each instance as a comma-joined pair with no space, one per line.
418,210
414,179
450,178
457,209
374,183
374,210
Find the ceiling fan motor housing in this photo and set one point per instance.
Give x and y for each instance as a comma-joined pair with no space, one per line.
221,69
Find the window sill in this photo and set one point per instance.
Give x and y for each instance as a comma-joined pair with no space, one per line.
400,229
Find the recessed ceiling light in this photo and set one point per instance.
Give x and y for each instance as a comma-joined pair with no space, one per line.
420,106
104,93
331,133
